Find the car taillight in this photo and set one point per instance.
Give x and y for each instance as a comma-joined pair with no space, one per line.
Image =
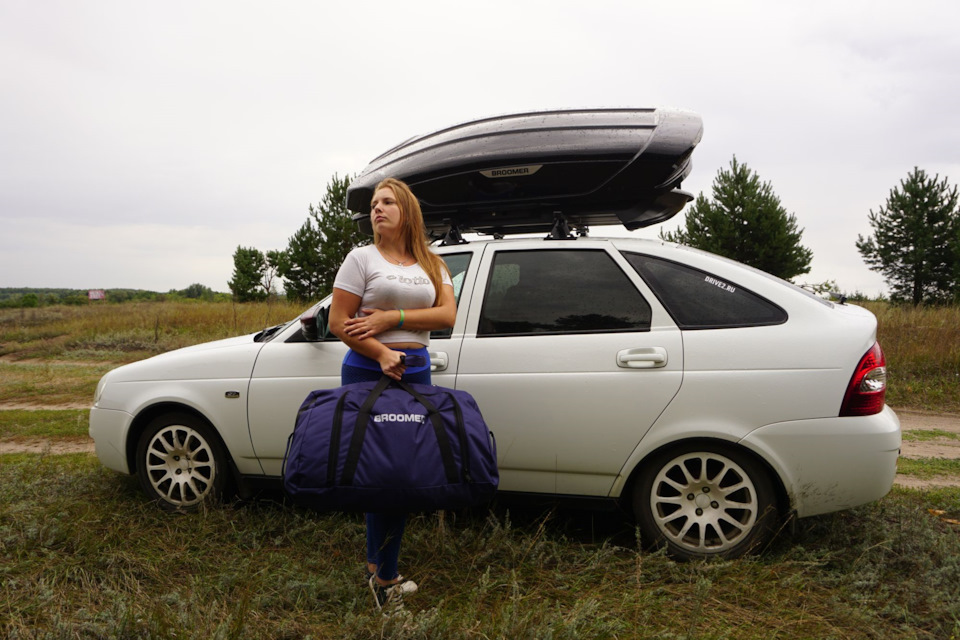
868,386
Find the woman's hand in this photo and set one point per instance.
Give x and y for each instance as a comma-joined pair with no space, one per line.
391,365
374,322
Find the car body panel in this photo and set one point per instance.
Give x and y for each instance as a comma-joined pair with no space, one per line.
831,464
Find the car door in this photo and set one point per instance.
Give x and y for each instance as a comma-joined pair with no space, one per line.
289,368
571,360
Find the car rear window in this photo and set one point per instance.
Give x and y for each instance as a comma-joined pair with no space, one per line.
696,299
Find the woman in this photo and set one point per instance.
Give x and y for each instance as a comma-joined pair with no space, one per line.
387,297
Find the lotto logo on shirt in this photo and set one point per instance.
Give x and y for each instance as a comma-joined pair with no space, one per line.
413,280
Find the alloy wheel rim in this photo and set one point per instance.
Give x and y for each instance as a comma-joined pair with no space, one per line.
180,465
704,502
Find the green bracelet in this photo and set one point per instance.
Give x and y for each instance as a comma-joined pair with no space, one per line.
401,319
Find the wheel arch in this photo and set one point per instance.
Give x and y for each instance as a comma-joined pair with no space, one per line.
148,414
626,497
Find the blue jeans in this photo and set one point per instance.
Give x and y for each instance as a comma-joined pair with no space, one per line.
384,530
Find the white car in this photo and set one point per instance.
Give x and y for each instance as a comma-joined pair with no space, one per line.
709,398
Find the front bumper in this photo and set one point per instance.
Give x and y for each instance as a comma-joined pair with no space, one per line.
108,428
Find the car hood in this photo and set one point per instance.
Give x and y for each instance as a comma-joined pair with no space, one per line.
230,358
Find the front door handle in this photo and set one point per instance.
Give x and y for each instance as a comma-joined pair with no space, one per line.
642,358
438,361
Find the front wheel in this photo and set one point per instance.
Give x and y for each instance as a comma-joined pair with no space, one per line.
705,500
180,462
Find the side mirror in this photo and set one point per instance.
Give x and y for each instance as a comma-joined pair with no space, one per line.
314,325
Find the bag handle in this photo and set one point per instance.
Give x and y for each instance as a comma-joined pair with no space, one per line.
363,418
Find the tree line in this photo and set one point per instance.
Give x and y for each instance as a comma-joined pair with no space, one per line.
29,297
915,242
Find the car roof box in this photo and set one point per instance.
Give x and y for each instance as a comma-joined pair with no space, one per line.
516,173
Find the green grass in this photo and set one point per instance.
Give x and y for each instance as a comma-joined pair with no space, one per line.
926,435
83,555
926,468
69,423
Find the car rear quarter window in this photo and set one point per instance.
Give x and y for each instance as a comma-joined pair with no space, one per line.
558,291
696,299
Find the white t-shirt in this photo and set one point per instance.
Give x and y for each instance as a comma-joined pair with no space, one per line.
384,285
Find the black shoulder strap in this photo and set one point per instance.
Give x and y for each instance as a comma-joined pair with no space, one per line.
462,435
334,454
363,419
446,453
359,431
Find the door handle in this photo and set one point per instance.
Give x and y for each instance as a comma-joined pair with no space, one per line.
642,358
438,361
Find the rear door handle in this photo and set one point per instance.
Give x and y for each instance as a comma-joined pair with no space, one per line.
438,361
642,358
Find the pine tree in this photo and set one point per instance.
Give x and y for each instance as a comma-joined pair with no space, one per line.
746,222
316,251
916,240
248,266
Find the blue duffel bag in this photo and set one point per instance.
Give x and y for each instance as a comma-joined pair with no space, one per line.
390,446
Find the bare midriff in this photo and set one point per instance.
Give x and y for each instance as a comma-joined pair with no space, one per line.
404,345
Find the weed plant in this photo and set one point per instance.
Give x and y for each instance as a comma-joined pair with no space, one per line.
84,555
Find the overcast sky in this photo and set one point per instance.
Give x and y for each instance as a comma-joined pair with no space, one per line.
141,143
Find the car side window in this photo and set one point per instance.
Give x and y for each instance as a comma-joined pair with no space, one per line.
696,299
457,263
560,291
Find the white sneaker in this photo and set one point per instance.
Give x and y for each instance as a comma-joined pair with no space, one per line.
390,597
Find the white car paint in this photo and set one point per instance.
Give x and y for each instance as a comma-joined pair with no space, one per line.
570,414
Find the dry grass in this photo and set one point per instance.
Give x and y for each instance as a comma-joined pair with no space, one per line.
922,348
127,332
54,356
84,555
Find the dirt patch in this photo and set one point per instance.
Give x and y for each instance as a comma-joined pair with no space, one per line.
911,482
46,446
911,419
31,406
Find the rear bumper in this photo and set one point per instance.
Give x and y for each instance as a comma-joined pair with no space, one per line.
831,464
108,428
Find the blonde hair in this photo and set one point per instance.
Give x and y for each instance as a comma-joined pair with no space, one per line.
413,233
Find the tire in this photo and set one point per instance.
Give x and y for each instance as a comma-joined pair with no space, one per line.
181,464
705,500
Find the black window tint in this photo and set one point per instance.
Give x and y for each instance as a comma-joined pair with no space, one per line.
457,263
698,300
560,291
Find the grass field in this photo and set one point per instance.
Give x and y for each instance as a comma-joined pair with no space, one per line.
84,555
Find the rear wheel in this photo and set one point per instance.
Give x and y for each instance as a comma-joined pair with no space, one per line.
180,462
703,500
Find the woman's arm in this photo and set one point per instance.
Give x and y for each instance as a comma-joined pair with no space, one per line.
342,309
377,321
